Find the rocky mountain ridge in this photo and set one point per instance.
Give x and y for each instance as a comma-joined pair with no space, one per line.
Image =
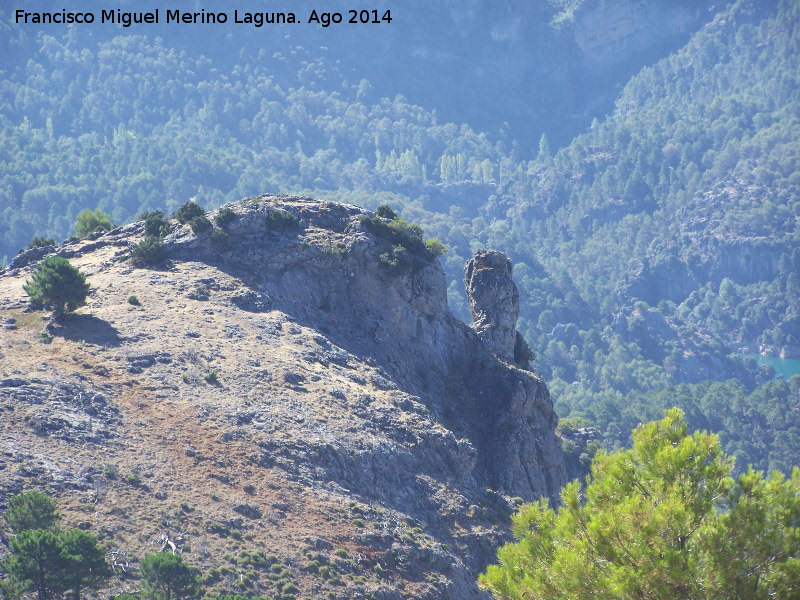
294,386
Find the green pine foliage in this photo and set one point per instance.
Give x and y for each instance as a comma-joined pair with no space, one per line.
757,426
397,260
86,567
398,231
436,247
221,239
663,520
31,510
89,222
150,251
167,577
384,211
155,225
225,216
40,242
200,224
43,559
35,562
188,211
56,284
281,220
401,241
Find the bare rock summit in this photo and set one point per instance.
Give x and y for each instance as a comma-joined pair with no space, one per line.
291,383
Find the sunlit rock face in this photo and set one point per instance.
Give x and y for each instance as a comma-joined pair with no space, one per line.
493,300
610,32
340,378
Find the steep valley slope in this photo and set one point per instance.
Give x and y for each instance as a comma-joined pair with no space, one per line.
292,404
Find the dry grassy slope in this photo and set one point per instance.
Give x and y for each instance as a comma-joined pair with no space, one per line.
287,453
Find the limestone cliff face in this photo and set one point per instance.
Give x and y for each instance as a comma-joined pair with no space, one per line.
609,32
494,302
337,281
343,385
742,259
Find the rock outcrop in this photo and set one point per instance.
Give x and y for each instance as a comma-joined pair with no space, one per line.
340,378
609,33
493,300
337,279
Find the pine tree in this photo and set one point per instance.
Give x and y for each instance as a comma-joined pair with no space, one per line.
31,510
167,577
663,521
85,561
89,222
188,211
35,562
44,559
58,285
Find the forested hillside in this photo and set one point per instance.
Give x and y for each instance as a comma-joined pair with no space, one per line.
649,250
527,67
676,222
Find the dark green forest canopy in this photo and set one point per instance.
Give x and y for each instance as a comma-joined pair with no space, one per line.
647,250
482,55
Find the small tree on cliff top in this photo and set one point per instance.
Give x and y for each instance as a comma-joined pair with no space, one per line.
663,521
89,222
